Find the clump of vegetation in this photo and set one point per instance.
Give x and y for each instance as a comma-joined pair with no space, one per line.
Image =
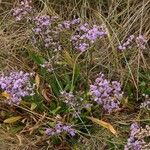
75,75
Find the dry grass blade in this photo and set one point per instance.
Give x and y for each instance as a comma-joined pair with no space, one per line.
37,81
104,124
12,119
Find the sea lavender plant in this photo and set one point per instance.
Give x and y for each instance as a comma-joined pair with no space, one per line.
24,8
127,43
17,85
60,128
48,66
133,143
69,24
78,104
46,29
106,93
69,99
65,25
136,139
86,35
139,40
72,102
146,104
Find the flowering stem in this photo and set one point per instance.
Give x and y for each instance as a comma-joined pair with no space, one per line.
82,122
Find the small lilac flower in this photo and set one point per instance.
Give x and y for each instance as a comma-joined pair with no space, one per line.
127,43
69,99
60,128
48,66
76,21
49,132
83,46
43,21
74,103
133,141
86,35
68,24
106,93
69,130
66,128
72,132
145,105
134,129
23,9
17,85
84,27
88,106
46,29
37,30
141,41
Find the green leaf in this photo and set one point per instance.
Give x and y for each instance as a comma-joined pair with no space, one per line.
15,129
36,58
54,84
33,106
55,110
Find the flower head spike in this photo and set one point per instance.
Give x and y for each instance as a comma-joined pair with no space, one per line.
86,35
17,85
141,41
60,128
136,140
23,9
106,93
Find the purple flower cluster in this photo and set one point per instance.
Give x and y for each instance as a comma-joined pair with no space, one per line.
22,10
47,31
133,142
17,85
69,99
72,101
48,66
126,44
139,40
60,128
106,93
86,35
68,24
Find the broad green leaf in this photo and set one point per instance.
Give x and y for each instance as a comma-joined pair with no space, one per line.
12,119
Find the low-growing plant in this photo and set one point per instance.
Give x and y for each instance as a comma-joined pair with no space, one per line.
85,78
